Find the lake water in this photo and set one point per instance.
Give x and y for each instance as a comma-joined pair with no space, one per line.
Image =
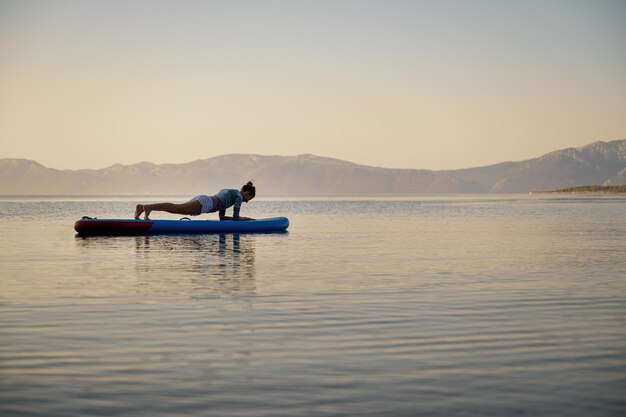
390,306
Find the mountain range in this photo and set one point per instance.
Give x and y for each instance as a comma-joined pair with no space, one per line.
600,163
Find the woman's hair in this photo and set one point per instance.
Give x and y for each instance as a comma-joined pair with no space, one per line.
250,188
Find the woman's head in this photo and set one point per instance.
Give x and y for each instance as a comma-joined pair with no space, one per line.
248,191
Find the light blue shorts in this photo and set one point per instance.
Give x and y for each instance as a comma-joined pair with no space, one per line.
206,201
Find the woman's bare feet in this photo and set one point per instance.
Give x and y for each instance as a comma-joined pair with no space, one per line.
146,210
138,210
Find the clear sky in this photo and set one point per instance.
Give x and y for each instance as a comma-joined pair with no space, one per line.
401,84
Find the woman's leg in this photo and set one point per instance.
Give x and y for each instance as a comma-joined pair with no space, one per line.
190,208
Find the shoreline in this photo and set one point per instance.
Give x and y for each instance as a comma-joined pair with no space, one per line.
587,189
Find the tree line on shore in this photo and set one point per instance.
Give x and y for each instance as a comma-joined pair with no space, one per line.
607,189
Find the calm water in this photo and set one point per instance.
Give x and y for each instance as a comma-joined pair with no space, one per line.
436,306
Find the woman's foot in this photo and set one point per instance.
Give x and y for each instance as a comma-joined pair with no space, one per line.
146,210
138,210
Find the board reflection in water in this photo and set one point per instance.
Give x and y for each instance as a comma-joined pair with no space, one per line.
220,264
209,265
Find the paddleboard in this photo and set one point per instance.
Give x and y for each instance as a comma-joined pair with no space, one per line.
120,227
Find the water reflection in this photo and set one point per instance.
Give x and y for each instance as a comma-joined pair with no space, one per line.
215,263
193,264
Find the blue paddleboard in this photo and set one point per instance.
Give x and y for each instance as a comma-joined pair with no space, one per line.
120,227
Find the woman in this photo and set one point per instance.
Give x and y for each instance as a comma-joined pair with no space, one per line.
205,204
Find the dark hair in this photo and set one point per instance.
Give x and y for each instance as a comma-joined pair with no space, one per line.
249,187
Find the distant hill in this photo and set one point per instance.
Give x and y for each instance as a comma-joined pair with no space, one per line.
600,163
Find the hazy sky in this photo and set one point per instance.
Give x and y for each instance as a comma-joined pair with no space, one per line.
406,84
